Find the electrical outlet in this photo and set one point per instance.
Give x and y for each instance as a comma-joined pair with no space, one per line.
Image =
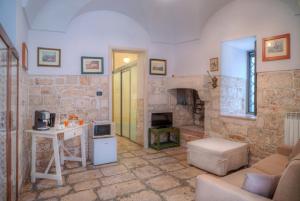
99,93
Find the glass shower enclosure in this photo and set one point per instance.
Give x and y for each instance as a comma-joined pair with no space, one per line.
9,76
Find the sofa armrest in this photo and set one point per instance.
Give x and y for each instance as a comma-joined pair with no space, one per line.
209,188
285,150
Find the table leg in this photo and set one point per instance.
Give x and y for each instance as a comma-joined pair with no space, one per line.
57,161
33,159
62,152
83,155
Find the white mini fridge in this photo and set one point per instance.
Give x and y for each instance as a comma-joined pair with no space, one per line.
104,143
105,150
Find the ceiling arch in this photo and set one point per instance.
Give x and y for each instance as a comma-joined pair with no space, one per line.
167,21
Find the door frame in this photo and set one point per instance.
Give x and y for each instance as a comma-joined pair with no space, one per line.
144,53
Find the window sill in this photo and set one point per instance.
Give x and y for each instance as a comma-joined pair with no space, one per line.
244,117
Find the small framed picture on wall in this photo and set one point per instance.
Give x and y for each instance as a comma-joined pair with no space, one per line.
24,56
49,57
158,67
214,64
277,47
92,65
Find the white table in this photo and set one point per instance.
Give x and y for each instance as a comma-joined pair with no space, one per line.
58,136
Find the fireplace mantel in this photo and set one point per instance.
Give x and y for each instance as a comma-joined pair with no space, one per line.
198,83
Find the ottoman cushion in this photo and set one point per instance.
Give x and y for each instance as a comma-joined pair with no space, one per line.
217,155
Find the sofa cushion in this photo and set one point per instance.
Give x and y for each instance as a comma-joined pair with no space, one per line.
295,150
289,183
237,178
273,165
261,184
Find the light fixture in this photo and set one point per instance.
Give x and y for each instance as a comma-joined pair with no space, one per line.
126,60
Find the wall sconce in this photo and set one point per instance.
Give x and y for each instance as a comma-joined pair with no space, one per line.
214,80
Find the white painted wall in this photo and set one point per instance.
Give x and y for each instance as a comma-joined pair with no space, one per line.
93,34
8,18
234,62
238,19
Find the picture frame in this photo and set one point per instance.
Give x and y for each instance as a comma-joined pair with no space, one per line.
158,67
49,57
92,65
214,64
276,48
24,56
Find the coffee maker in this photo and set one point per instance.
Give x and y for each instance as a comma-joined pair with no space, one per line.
41,120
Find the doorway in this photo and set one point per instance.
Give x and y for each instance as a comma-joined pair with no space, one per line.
126,76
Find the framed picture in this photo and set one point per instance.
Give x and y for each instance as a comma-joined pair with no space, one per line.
277,48
214,64
158,67
24,56
49,57
92,65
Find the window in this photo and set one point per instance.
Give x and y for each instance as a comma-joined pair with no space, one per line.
251,83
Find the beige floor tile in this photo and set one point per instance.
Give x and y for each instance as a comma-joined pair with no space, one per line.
192,182
28,196
55,192
117,179
171,167
134,162
87,195
126,155
142,196
175,150
86,185
42,184
84,176
147,172
181,157
162,161
113,191
187,173
154,156
113,170
162,183
179,194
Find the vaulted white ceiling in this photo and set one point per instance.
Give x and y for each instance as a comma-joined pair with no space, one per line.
169,21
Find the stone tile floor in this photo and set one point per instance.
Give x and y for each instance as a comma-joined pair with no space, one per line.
139,175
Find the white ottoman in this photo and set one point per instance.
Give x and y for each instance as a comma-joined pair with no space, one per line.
217,155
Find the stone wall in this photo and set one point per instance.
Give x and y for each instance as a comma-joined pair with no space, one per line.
24,138
277,93
65,95
162,100
233,93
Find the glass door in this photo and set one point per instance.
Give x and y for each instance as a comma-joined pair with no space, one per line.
117,102
126,103
133,102
9,77
3,118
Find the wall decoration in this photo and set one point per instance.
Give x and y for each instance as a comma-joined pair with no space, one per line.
276,48
214,64
158,67
92,65
24,56
49,57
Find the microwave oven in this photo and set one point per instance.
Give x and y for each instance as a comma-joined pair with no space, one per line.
103,129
